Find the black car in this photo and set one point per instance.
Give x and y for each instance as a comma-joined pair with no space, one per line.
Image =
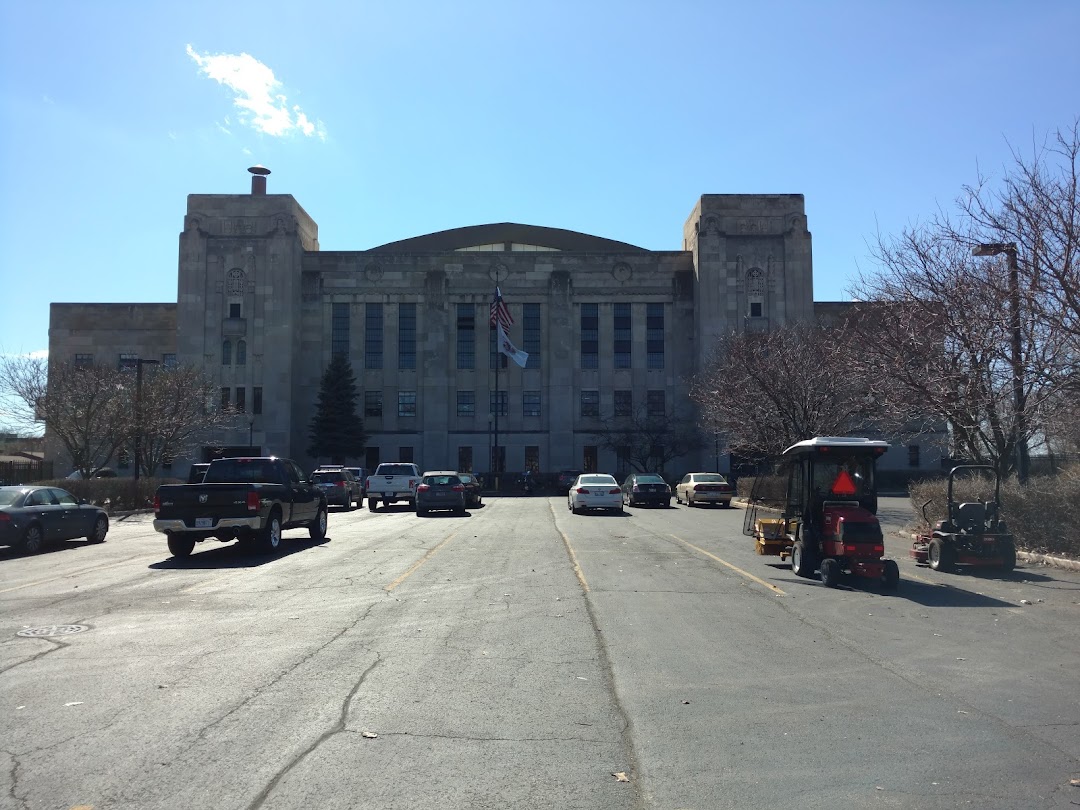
472,488
33,516
361,475
646,488
339,485
566,479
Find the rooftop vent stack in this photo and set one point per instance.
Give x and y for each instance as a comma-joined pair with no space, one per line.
258,180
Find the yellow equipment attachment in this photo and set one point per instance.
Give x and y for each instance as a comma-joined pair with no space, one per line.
771,536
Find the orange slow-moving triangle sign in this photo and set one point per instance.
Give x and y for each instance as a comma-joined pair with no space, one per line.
843,485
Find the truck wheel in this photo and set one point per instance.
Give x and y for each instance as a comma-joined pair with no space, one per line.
890,577
372,504
101,528
830,572
317,528
940,555
802,562
1008,555
271,534
181,547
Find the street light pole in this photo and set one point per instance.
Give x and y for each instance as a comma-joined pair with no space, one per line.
1009,249
251,431
138,411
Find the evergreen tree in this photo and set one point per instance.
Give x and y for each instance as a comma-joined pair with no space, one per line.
336,430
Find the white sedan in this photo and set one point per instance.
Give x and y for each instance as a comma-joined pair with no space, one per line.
594,491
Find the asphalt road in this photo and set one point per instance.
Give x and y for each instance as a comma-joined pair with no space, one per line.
524,657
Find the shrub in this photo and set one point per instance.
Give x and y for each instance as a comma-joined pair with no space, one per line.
117,494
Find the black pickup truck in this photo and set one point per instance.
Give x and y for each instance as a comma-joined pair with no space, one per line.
247,499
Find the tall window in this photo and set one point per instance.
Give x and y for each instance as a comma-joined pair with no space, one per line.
530,333
913,455
234,310
241,352
256,399
225,399
226,352
497,402
589,458
590,404
406,403
466,336
405,454
128,362
624,403
373,403
466,403
339,330
530,403
373,337
464,459
654,326
654,405
495,356
406,332
622,324
532,458
590,336
241,399
168,360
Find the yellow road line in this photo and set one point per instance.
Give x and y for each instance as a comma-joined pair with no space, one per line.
573,557
734,568
418,563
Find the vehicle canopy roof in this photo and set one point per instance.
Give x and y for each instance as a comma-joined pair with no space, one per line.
847,444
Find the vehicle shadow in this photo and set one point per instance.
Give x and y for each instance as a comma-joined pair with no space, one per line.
50,547
921,593
444,513
232,555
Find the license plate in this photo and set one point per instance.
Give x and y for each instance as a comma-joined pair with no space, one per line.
204,523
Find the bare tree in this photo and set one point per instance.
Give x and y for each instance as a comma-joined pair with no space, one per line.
83,407
649,442
177,413
985,347
766,391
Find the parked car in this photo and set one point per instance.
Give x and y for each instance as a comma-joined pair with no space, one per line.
646,488
440,489
341,488
472,488
30,517
566,479
197,471
103,472
700,487
594,491
361,475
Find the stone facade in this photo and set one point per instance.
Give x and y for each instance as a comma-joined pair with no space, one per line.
413,318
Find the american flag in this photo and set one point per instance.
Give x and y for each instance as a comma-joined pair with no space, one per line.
500,313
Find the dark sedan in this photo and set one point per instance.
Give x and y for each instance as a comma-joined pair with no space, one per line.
440,490
646,488
33,516
472,488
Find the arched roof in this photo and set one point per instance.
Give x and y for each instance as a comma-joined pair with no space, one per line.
509,232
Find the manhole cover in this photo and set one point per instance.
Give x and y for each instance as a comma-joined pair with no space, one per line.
52,630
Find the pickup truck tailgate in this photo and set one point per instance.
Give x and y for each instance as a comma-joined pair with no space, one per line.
200,506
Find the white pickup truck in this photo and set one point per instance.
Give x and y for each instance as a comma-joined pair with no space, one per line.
392,482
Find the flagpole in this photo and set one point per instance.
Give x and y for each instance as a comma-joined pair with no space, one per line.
498,362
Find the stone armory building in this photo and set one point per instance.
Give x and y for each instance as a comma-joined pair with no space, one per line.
609,327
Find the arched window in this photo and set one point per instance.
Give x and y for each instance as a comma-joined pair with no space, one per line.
226,353
241,352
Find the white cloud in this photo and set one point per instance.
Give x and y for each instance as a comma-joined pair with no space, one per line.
258,97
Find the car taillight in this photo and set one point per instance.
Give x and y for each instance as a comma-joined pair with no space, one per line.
6,518
157,503
412,483
459,487
582,491
423,488
253,501
700,488
615,491
339,484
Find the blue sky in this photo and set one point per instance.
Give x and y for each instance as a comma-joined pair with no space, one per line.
388,120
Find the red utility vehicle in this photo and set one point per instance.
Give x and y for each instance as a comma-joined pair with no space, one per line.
826,498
